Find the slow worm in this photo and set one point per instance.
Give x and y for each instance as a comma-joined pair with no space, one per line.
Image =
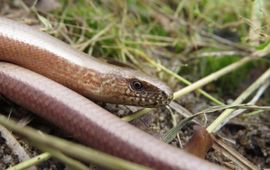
86,121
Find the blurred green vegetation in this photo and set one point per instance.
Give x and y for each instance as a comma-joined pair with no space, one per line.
167,30
228,83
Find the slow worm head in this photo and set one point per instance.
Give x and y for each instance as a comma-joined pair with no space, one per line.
41,53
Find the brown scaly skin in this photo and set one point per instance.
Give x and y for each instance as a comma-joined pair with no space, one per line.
75,114
24,46
90,123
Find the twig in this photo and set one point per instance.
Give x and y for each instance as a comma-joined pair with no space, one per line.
14,145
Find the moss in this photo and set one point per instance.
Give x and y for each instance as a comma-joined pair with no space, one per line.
228,84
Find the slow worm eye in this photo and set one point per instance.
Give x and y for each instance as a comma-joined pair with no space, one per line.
136,85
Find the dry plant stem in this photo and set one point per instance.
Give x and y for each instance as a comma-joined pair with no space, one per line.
171,134
218,123
14,145
31,162
136,115
219,54
198,84
255,25
212,77
180,22
182,111
95,38
234,106
226,42
71,163
75,150
233,154
253,101
253,113
219,145
159,66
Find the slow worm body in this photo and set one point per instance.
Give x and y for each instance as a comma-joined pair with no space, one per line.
37,51
91,124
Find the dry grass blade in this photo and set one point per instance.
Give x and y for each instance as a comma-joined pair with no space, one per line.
71,163
198,84
171,73
14,145
29,163
171,134
74,150
233,155
257,16
218,123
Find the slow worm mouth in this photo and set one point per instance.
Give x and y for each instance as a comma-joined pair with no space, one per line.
149,102
152,100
